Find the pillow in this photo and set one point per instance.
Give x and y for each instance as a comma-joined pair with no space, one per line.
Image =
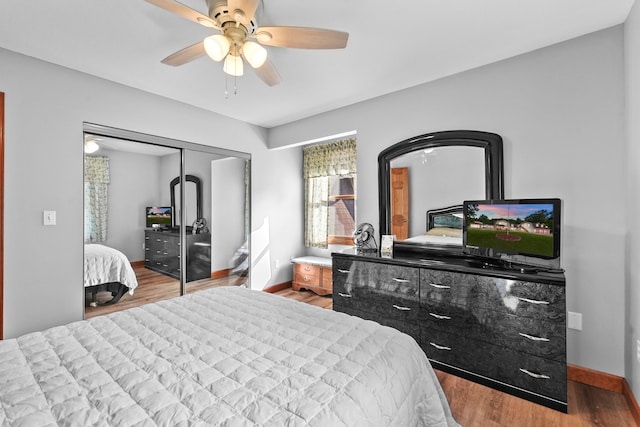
445,231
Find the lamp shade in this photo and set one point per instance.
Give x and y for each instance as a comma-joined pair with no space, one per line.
255,54
216,46
233,65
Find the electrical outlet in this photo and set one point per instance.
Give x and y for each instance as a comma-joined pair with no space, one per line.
638,350
276,264
574,320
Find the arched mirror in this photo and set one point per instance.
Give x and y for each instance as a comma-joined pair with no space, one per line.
192,200
424,180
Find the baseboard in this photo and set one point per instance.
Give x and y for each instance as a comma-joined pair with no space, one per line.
631,401
277,288
608,382
595,378
220,273
136,264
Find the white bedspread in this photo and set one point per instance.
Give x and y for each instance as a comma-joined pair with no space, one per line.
226,356
103,264
435,240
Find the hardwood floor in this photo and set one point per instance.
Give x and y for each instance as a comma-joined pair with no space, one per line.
153,287
473,405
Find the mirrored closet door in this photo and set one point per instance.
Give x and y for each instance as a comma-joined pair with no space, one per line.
162,218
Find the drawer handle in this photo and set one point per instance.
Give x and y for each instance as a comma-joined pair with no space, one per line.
307,278
343,271
434,285
533,338
440,347
532,301
401,308
440,316
307,268
344,295
395,279
534,375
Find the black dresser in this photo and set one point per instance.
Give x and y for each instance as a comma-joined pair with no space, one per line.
162,254
501,328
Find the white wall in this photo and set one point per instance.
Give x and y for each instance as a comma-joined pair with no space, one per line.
133,186
632,320
560,112
45,106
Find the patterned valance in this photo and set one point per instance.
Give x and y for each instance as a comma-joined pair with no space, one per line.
332,158
96,169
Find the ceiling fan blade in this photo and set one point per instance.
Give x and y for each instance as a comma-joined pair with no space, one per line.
249,8
268,73
302,37
185,55
184,11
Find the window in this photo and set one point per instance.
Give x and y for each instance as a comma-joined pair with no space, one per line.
342,209
330,193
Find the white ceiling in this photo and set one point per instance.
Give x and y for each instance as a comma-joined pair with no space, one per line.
392,46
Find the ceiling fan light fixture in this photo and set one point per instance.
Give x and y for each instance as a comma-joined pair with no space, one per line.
217,46
233,65
255,54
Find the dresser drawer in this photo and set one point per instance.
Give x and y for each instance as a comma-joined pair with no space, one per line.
409,328
536,300
391,280
369,300
542,338
307,274
532,373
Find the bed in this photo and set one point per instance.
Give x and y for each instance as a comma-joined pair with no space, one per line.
107,269
225,356
444,227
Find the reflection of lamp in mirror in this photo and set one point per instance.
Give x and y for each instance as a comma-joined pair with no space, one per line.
426,153
90,146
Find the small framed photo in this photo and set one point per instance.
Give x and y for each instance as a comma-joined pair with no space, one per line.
386,245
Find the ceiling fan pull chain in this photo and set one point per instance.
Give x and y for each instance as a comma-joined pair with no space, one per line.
226,87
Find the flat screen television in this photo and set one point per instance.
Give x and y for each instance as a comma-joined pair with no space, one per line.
159,216
515,233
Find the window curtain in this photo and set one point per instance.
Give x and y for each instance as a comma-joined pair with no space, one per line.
96,192
319,163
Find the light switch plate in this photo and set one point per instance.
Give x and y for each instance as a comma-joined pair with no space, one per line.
49,217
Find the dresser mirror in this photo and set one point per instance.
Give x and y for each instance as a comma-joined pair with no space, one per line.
192,200
424,180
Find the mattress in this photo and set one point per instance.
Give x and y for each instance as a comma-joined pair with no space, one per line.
103,264
225,356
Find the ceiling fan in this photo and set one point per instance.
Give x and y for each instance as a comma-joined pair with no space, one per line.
236,22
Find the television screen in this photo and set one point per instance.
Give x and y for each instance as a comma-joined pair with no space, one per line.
526,227
158,216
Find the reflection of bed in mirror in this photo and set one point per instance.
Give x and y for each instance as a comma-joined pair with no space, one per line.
444,227
107,270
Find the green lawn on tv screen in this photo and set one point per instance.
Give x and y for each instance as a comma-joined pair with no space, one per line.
529,243
160,219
